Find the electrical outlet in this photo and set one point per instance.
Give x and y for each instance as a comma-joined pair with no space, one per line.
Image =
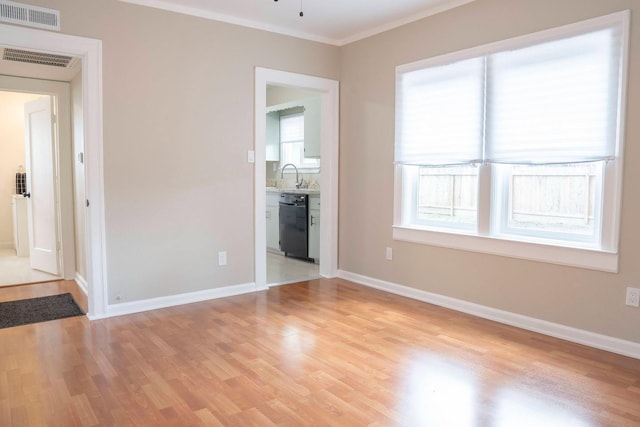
633,297
222,258
389,253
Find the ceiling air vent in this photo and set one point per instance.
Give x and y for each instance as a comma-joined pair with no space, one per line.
36,58
32,16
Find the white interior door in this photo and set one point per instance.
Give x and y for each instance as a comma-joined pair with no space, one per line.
41,185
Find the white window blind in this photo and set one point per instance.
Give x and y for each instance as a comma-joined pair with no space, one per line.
439,114
292,128
554,102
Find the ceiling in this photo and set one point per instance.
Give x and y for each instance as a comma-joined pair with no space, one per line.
335,22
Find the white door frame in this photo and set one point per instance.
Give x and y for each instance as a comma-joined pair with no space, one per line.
90,53
330,117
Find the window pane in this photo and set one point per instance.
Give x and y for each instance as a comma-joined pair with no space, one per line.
291,152
448,195
554,198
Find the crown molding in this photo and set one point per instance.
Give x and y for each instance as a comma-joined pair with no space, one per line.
214,16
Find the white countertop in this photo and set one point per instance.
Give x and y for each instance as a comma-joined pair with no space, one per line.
309,191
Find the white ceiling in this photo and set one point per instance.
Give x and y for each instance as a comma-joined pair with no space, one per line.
335,22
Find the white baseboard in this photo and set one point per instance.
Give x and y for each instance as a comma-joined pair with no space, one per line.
580,336
6,245
173,300
82,283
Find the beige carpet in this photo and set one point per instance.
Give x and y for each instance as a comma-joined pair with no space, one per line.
16,270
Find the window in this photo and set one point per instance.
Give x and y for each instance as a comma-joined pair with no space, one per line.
515,148
292,143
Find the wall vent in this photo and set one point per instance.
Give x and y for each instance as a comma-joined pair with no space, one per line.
36,58
32,16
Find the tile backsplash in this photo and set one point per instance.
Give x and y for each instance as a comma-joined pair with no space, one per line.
311,180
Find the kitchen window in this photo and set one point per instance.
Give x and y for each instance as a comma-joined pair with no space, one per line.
515,148
292,143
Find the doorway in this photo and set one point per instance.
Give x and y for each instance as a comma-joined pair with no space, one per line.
327,204
17,262
56,242
292,125
89,52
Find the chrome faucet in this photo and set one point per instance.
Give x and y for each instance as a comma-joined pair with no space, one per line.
298,184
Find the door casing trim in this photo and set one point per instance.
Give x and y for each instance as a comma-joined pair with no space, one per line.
90,53
330,119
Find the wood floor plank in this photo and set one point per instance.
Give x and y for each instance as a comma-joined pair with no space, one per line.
323,352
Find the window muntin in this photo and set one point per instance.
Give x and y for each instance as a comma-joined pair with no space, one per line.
527,148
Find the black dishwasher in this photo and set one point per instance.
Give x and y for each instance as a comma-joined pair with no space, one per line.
294,230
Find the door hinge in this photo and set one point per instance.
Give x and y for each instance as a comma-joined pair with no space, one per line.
58,245
87,202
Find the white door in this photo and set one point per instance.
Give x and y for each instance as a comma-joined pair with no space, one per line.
41,185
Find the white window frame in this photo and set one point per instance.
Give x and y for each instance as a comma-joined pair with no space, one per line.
600,256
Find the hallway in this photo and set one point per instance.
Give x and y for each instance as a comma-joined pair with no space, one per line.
16,270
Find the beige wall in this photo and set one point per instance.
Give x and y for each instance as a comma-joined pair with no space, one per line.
178,121
575,297
12,154
279,94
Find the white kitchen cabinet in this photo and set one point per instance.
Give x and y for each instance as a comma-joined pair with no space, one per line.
312,127
273,221
273,137
314,228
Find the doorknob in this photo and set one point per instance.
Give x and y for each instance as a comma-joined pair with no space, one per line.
25,194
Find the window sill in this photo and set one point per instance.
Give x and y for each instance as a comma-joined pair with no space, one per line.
302,170
593,259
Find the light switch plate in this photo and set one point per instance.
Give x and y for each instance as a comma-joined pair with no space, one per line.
222,258
251,156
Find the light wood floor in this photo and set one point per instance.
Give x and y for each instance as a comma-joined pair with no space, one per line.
322,352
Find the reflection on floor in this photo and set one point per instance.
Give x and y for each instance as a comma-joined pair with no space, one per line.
282,270
16,270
